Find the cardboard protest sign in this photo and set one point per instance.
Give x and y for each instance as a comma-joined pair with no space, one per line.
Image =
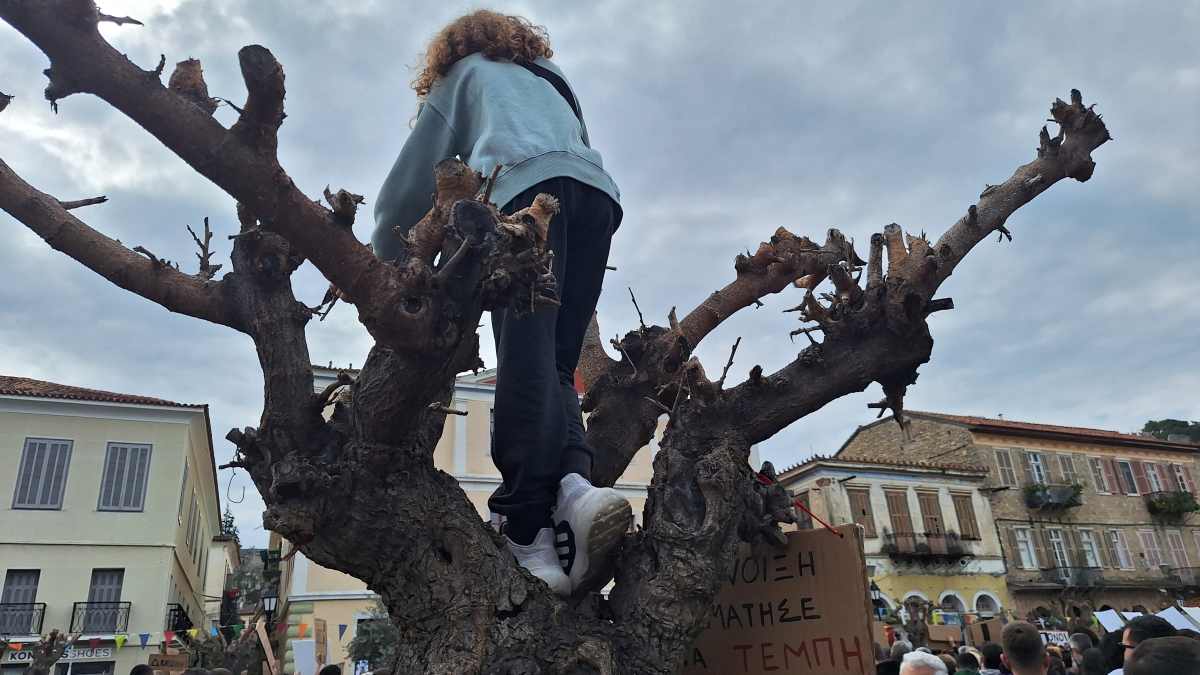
791,611
168,662
944,636
986,631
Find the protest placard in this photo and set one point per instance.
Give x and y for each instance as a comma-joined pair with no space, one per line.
799,610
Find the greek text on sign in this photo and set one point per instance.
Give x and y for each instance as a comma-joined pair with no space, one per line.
798,610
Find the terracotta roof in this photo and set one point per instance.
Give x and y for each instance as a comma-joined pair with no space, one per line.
24,386
1011,426
897,464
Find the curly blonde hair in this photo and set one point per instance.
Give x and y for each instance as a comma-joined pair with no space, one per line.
497,36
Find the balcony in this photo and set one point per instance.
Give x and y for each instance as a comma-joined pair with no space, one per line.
1171,505
914,546
177,619
100,617
1073,577
22,618
1043,497
1185,576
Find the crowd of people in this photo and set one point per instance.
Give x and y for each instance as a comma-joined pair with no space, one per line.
1147,645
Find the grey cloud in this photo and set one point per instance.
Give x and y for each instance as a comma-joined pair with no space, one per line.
719,126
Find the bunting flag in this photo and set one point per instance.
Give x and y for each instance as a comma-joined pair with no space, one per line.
16,646
144,638
168,635
341,630
94,643
239,627
213,631
303,629
193,632
120,640
282,628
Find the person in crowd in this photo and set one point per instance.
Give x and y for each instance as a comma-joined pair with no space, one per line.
922,663
141,669
1144,627
331,669
891,666
1164,656
1078,644
951,663
1092,662
490,94
1024,651
1188,633
992,663
966,664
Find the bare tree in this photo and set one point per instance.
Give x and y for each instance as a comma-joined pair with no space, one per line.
45,652
359,492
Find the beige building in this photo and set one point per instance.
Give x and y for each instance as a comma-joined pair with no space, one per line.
1089,519
928,529
316,596
109,504
224,558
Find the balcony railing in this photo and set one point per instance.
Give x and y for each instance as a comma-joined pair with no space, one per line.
22,618
1185,576
1171,504
100,617
1073,577
177,619
1049,497
923,546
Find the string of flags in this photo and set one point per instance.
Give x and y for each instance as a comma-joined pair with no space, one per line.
169,635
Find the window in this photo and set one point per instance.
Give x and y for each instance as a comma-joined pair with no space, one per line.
1152,478
1004,464
897,501
1178,552
965,510
1089,548
191,523
42,474
1183,478
103,610
1058,547
986,606
1067,463
806,521
18,616
1037,469
126,473
1151,551
931,512
860,510
1098,476
1025,549
183,492
1125,474
1120,552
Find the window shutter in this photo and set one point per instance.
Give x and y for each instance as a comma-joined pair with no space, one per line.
1004,467
1077,555
1014,549
1111,549
1103,548
183,490
123,486
1070,470
1121,484
42,474
1040,545
1026,468
1139,477
1053,468
1110,475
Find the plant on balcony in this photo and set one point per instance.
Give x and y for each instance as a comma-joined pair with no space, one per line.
1177,503
1040,495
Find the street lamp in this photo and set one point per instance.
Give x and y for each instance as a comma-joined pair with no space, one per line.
270,600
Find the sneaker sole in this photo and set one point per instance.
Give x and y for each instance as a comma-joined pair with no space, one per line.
608,527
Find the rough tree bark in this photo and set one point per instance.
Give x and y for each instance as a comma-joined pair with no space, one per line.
359,492
46,651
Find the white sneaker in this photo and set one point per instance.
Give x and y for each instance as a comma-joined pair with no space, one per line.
540,558
588,523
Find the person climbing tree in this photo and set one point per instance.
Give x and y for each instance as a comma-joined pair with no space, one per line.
490,95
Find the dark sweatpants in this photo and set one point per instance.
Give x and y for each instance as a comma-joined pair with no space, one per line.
538,436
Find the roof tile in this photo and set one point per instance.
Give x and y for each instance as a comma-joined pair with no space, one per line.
24,386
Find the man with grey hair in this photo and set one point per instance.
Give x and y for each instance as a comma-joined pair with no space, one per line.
900,648
921,663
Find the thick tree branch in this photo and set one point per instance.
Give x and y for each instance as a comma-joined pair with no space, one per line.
158,283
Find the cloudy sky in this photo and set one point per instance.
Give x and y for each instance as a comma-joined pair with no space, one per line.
719,126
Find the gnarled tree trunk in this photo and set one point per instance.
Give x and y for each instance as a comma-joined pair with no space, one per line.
359,492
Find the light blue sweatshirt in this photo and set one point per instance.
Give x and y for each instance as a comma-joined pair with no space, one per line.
488,113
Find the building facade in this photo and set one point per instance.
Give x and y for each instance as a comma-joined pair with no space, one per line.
928,531
1088,519
312,595
108,505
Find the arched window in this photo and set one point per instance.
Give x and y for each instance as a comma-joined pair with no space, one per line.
986,606
952,603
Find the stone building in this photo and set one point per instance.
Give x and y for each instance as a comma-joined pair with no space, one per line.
1088,519
927,528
